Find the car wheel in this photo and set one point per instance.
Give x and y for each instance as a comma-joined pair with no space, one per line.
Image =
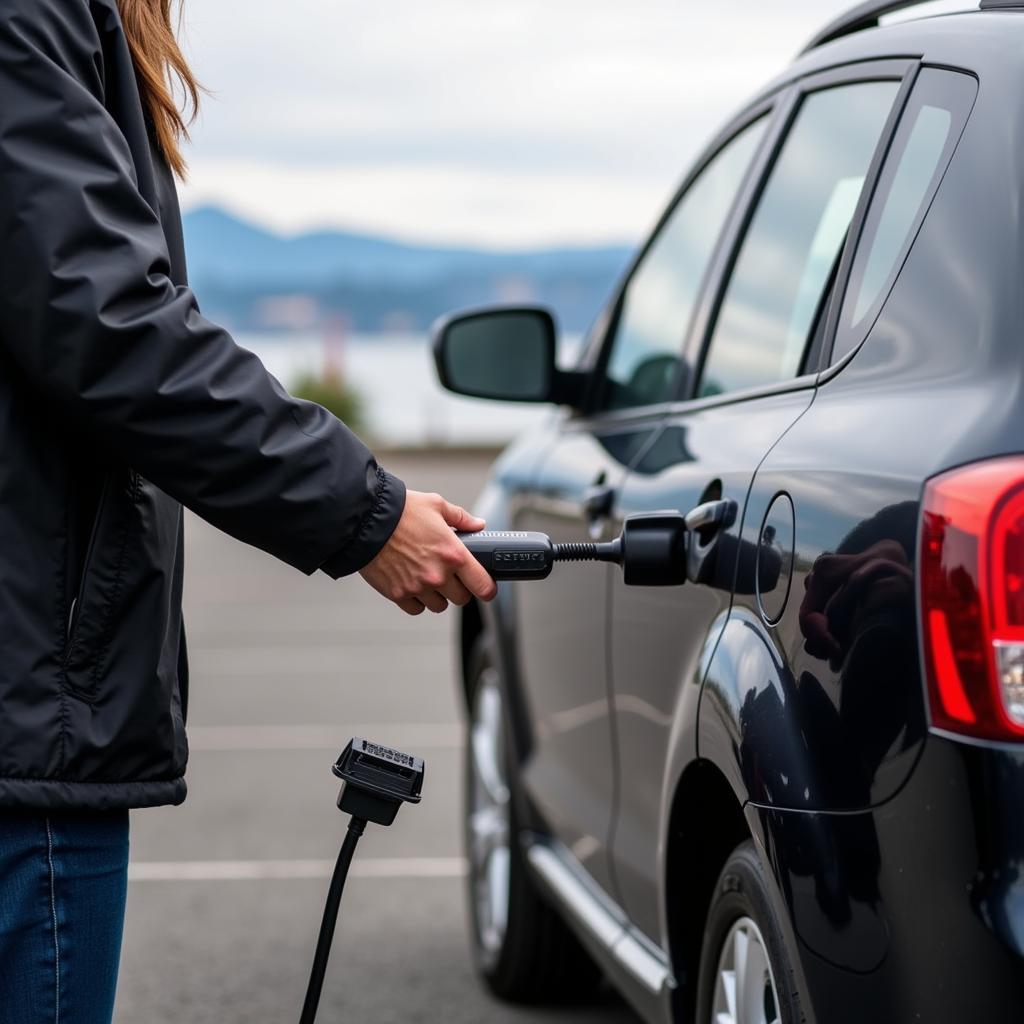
522,949
746,974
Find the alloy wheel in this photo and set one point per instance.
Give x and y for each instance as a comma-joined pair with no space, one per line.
745,990
488,814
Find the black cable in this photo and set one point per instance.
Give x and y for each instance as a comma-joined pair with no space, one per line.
574,552
356,827
585,551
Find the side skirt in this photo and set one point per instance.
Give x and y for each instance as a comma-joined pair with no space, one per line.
637,967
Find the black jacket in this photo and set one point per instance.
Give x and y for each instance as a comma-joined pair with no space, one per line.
118,401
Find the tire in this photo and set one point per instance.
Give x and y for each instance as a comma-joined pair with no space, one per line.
741,920
522,950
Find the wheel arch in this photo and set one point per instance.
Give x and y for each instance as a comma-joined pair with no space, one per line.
705,825
496,622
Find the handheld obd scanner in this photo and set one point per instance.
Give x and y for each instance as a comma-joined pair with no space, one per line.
651,551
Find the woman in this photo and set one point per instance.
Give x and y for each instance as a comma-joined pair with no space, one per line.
119,403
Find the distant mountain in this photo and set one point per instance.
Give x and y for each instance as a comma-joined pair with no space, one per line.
258,280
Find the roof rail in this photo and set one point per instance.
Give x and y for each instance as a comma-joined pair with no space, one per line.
866,15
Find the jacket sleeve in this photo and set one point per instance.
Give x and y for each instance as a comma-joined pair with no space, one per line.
90,316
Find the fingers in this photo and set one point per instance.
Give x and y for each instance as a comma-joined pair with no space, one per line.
434,601
476,579
455,515
466,571
424,565
428,600
456,592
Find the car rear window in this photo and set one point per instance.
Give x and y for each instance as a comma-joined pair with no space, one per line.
928,132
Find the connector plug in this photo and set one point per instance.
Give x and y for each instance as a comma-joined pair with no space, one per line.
377,780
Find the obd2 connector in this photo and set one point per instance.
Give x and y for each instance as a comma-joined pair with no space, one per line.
376,781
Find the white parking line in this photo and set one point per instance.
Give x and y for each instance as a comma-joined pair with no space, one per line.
266,870
404,735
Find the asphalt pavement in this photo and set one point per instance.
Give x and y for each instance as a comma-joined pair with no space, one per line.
226,892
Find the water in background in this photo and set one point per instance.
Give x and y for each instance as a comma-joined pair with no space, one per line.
394,374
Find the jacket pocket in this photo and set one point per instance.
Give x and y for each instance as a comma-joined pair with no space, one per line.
94,610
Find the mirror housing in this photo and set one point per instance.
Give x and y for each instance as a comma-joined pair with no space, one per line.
503,353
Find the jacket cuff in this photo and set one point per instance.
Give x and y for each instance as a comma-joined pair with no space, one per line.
373,532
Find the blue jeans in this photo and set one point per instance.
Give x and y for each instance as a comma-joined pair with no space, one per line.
63,882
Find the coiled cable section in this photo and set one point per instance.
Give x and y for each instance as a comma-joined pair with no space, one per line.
575,552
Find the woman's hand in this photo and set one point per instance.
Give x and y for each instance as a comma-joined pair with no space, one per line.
424,565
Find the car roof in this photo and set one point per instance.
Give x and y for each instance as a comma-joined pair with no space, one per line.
976,41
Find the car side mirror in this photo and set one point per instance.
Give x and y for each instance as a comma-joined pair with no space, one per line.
503,353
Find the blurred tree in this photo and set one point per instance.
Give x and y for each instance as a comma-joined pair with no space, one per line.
331,391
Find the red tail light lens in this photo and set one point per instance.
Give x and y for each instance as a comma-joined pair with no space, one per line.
972,599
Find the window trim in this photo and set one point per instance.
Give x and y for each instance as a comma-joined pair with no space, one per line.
601,420
903,70
828,366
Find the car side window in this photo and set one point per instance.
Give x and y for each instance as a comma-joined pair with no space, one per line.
659,298
922,147
786,260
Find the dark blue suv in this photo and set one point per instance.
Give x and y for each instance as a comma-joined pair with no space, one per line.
792,793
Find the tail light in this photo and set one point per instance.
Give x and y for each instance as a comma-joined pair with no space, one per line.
972,599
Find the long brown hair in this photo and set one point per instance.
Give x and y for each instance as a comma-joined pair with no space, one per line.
159,66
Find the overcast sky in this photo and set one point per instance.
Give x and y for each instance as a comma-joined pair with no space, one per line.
493,122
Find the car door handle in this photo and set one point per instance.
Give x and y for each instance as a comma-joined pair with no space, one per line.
719,515
598,502
705,524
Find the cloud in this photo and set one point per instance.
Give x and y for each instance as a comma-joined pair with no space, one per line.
494,122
